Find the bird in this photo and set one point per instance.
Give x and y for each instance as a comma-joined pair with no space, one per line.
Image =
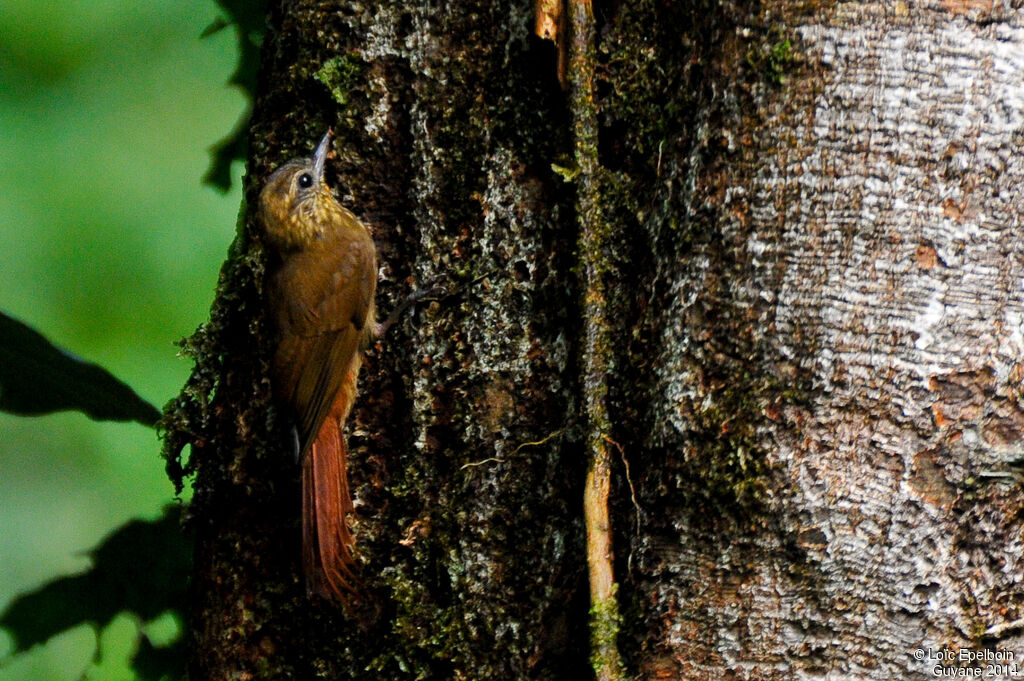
320,286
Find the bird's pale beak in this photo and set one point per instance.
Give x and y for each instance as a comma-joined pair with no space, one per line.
320,155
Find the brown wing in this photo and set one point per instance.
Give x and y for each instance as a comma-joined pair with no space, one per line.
323,297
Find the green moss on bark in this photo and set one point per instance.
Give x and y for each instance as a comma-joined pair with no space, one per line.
340,75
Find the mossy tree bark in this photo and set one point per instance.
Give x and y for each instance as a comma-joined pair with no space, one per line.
808,221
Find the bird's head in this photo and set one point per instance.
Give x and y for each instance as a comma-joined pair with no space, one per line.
296,205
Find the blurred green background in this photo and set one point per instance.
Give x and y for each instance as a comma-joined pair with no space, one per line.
110,246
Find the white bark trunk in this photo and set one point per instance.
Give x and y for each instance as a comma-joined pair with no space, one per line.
884,251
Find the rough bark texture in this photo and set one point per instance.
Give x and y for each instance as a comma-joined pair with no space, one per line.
813,366
842,332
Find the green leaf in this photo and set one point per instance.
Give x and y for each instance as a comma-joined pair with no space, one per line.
37,377
142,568
249,16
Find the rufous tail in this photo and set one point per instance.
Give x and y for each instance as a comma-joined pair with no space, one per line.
327,543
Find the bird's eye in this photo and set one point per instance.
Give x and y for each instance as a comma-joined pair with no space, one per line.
305,180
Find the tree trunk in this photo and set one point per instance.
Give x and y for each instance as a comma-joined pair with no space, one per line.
791,230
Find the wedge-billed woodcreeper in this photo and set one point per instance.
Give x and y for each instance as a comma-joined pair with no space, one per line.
320,286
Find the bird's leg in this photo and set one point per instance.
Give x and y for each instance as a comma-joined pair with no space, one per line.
410,300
